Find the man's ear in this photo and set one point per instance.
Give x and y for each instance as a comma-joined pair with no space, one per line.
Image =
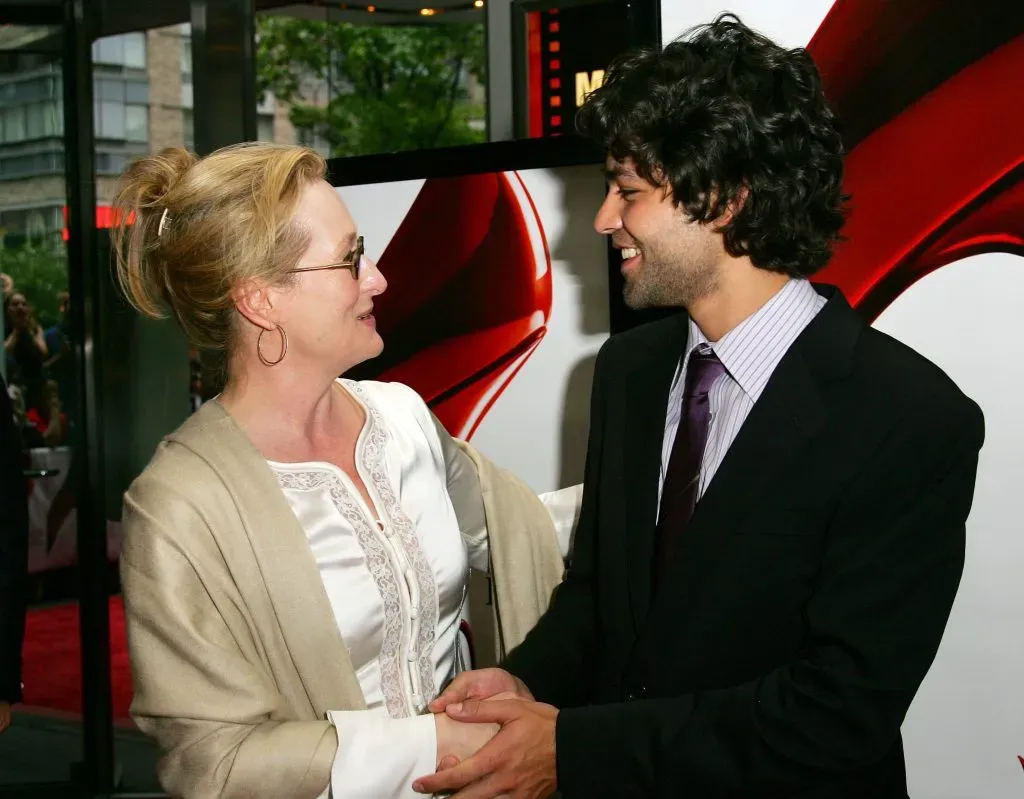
253,301
732,208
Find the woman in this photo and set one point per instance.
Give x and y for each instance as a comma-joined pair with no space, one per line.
25,342
296,555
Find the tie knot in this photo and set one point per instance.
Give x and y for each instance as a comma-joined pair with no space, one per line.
703,370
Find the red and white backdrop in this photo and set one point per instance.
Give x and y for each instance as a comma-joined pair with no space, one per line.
932,100
496,307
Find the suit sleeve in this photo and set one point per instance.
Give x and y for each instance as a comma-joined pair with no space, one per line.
891,565
13,552
555,657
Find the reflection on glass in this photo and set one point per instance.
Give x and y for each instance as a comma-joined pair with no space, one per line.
38,364
356,88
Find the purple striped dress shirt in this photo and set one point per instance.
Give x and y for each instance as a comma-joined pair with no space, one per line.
750,353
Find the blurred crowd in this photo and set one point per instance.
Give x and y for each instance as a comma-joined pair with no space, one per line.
39,369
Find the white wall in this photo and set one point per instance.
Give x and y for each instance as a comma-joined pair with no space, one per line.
966,726
538,426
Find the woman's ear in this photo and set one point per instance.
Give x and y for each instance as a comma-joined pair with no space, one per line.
253,301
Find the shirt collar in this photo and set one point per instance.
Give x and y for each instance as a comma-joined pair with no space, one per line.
751,350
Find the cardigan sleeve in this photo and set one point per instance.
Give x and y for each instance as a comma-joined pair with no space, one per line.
200,692
465,491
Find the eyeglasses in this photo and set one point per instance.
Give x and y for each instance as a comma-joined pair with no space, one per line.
351,262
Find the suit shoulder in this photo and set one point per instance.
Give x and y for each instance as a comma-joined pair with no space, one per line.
643,335
909,380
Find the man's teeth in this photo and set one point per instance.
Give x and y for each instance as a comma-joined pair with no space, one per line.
629,252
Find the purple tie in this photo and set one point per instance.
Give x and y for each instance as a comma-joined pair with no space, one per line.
682,479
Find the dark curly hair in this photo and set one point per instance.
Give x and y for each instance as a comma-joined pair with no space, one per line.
726,117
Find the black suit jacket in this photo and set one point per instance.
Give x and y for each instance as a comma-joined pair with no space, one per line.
805,602
13,552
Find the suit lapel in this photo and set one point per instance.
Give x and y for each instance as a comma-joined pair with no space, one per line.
788,414
281,549
648,382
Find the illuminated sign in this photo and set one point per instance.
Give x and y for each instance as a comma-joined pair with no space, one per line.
586,82
566,50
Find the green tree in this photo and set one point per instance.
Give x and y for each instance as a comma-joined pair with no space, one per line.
39,270
382,88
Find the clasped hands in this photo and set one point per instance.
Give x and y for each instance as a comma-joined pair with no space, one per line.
512,751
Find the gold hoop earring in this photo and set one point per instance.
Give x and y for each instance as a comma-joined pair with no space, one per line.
284,346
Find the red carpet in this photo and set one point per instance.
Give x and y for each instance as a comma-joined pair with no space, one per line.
52,660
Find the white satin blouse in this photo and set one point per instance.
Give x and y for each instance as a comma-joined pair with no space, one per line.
396,575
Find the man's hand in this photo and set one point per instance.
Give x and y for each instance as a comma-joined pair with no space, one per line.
480,684
518,762
5,715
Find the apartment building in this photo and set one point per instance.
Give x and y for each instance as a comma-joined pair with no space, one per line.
142,101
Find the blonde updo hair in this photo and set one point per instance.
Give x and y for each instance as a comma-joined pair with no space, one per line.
228,220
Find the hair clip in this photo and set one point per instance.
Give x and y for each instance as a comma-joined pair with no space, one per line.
164,219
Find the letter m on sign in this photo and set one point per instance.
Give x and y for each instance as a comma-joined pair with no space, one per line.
586,82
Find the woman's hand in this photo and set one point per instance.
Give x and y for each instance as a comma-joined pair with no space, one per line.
458,740
39,338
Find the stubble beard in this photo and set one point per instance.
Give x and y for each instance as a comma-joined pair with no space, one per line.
662,285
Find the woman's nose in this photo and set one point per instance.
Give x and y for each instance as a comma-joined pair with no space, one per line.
374,281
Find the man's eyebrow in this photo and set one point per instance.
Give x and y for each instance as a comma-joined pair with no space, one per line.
619,171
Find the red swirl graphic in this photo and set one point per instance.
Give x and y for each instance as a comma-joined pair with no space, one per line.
925,92
473,276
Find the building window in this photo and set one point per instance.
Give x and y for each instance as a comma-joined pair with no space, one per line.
35,121
125,50
135,50
110,89
186,55
136,91
14,124
32,221
188,129
22,166
111,163
29,122
136,122
35,224
27,91
108,50
121,122
109,120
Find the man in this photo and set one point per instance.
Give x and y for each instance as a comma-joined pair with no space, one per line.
60,363
13,558
772,530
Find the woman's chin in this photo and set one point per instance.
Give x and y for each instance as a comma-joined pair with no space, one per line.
367,352
378,344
